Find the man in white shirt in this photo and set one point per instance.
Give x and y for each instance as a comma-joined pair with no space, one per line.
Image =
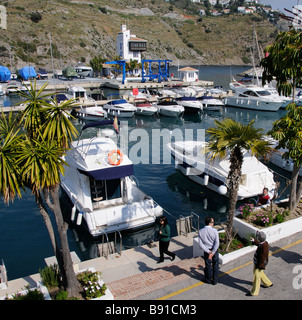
208,240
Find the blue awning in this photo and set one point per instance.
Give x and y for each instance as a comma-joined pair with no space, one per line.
109,173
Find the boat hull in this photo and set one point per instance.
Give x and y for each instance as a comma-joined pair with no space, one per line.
145,111
119,113
170,111
252,104
214,175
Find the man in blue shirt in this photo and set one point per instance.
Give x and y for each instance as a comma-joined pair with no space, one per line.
208,240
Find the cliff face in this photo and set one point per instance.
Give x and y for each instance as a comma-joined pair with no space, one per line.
81,30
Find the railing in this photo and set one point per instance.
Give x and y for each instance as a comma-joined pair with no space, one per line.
185,225
3,276
110,246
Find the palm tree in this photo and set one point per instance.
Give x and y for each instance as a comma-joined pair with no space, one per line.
283,62
33,159
230,136
10,139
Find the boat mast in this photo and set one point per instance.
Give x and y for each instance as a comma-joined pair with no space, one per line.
53,72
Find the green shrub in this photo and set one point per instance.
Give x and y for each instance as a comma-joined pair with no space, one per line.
51,276
61,295
30,295
35,17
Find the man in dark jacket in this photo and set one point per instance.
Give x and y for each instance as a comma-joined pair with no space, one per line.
260,262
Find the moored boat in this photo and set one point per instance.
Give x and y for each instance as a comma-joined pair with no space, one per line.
168,106
144,107
99,182
120,108
252,97
191,158
191,104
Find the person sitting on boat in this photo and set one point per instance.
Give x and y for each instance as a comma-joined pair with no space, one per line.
263,198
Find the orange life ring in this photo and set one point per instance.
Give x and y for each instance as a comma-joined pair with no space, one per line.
115,157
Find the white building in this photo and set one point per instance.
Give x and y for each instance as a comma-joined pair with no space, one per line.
188,74
129,46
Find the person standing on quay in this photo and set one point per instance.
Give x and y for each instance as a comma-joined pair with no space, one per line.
208,240
164,239
260,262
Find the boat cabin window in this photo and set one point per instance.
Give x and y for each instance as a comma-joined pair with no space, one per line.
263,93
102,190
79,94
250,93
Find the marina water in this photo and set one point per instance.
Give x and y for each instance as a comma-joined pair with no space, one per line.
23,236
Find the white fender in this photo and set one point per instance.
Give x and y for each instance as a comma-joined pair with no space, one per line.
206,180
73,212
79,218
222,189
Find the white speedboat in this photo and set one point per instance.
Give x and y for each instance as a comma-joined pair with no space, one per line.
98,180
191,104
191,158
12,89
168,106
252,97
83,70
120,108
144,107
92,113
211,103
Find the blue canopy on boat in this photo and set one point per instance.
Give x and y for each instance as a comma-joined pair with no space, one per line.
114,172
4,74
27,72
185,98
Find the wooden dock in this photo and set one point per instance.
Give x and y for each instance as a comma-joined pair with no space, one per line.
56,85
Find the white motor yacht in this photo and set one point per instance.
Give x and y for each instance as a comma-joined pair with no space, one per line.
191,104
191,158
144,107
168,106
98,180
276,157
120,108
253,97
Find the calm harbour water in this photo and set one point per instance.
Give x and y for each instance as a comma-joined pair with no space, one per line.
24,241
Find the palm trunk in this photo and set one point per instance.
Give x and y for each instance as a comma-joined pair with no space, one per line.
295,194
72,284
236,160
49,227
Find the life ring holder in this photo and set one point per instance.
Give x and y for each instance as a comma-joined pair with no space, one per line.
112,158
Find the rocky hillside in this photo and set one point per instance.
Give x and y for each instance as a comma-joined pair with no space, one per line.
81,30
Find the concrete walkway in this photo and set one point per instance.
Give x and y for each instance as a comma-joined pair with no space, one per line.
135,275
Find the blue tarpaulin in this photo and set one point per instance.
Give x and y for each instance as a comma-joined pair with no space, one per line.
114,172
27,72
4,74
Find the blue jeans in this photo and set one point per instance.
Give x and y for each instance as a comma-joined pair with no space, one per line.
211,267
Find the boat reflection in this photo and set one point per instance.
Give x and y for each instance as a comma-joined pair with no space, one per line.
200,200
